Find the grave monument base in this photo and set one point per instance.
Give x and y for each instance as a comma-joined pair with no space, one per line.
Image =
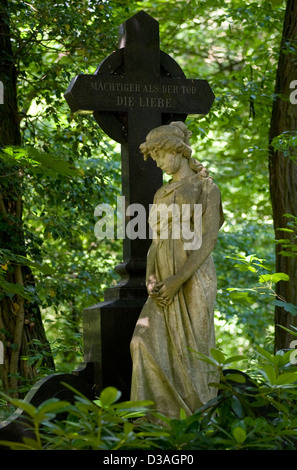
108,328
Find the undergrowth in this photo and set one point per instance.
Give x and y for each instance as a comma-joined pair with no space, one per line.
255,411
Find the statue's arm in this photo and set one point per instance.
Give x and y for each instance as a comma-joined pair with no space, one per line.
211,223
150,267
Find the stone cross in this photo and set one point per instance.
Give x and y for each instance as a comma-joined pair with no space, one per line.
138,87
134,90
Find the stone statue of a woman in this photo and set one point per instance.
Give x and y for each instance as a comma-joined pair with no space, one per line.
178,315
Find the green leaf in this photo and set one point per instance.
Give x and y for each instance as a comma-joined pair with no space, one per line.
269,373
205,358
286,378
182,414
274,278
32,443
128,427
285,230
240,295
36,162
217,355
8,256
50,408
287,306
237,406
235,358
12,289
239,378
19,445
127,405
239,432
108,396
25,406
265,354
292,330
239,435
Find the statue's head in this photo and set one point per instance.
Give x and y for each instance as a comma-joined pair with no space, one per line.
173,138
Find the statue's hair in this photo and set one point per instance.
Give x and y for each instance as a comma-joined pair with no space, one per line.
173,137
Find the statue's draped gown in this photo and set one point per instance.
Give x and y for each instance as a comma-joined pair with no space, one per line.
165,370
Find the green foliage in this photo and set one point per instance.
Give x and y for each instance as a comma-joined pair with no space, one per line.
102,424
68,166
286,143
255,412
37,162
289,244
7,260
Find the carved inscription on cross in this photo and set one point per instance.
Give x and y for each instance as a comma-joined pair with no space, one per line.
135,89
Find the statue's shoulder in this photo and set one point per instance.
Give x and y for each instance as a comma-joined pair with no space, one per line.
161,192
209,184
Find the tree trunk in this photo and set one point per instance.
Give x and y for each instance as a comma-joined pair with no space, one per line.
283,171
20,319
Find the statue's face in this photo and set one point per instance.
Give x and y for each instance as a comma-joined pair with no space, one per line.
168,162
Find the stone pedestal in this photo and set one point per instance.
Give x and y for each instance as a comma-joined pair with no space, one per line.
108,328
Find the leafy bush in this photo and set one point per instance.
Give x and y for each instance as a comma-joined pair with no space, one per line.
255,411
